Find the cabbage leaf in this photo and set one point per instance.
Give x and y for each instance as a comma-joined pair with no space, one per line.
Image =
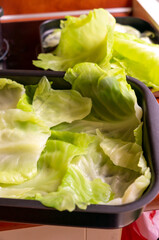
10,93
88,38
129,52
22,139
60,183
56,106
114,104
79,147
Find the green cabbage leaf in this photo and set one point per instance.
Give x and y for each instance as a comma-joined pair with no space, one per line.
56,106
88,38
22,139
139,58
72,148
10,93
114,104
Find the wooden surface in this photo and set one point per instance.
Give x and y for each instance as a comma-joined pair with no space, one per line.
61,233
41,6
154,205
5,226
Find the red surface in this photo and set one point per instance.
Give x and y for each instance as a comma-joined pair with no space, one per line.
12,7
128,233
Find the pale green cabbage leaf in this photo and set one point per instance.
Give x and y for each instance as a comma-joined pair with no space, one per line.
60,183
93,159
56,106
139,59
114,104
10,93
22,139
88,38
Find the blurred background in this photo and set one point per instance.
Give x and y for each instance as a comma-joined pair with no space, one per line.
12,7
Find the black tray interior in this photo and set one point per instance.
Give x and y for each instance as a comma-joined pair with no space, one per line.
96,216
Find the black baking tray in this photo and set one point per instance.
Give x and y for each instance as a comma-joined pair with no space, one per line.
95,216
141,25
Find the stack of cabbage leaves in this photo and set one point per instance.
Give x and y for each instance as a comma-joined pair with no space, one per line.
75,147
97,38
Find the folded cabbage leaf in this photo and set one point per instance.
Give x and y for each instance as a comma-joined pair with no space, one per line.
22,139
52,166
88,38
96,158
92,178
61,181
57,106
139,58
10,93
114,103
124,154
